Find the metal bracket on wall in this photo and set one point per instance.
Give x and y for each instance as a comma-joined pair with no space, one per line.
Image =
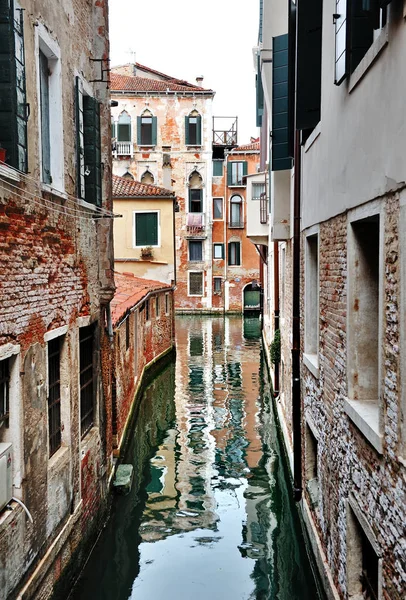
102,71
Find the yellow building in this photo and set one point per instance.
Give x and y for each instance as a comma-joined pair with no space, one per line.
144,235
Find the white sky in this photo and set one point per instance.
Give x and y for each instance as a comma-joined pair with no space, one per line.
184,40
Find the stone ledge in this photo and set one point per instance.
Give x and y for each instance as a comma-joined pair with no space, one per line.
365,415
311,361
9,173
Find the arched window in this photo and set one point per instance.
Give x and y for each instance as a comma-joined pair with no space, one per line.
127,175
124,127
195,193
236,217
147,177
193,129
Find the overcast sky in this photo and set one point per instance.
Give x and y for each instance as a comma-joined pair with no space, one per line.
213,38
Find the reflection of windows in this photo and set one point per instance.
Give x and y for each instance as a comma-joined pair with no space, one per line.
234,253
195,250
195,283
235,172
217,285
54,394
146,228
218,250
4,390
193,130
236,219
196,345
217,208
87,400
195,201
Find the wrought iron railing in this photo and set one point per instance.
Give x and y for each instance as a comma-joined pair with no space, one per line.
263,209
122,148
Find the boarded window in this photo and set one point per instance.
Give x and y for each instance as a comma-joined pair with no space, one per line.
92,151
281,158
217,168
196,283
54,395
146,229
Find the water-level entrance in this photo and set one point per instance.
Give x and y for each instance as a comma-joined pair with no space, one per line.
209,516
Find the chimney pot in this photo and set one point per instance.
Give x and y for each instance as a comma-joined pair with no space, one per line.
199,80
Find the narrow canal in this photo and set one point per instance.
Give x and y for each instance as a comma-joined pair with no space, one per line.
210,515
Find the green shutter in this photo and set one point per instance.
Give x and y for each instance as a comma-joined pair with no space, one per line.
229,174
154,130
187,131
308,63
92,147
238,253
280,113
198,131
244,168
217,168
13,104
259,93
80,151
361,33
138,131
146,229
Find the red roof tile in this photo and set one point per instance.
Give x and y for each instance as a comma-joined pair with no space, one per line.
124,187
247,147
129,291
130,83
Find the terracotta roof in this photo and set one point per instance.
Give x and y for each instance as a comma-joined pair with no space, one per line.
129,291
248,147
124,187
129,83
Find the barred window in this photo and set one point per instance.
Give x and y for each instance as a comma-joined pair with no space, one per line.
54,395
86,348
196,283
4,391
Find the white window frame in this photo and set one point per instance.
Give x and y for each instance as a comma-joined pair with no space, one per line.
214,251
222,208
188,285
188,250
241,223
312,302
135,212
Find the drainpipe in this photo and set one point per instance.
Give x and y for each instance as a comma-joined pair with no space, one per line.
276,304
296,397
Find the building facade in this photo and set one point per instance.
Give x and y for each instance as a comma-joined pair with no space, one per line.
335,284
144,234
56,283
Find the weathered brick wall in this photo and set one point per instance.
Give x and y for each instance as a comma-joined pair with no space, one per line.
346,461
285,326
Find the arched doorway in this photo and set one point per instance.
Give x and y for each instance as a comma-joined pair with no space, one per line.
252,297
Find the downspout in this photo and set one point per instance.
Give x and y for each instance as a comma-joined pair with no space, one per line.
276,305
225,214
296,396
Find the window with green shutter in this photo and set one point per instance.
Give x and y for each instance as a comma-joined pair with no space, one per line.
193,130
218,168
147,127
236,171
124,127
92,150
234,254
146,228
13,103
281,159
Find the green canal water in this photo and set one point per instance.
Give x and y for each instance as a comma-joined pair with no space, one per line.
210,515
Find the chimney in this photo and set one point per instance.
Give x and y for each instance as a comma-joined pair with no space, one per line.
199,80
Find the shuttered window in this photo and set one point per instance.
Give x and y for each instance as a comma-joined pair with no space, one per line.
80,141
92,150
87,387
195,283
259,93
54,395
281,160
236,170
195,250
147,131
234,254
146,229
195,201
13,103
217,168
340,41
193,131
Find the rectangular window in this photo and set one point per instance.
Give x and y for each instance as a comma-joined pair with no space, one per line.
236,170
87,388
195,201
147,130
136,340
4,391
127,333
167,304
218,168
193,131
146,227
312,297
195,251
217,208
54,394
217,285
196,283
157,307
234,254
257,190
45,127
218,250
147,310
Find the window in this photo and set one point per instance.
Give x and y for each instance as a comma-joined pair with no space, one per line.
196,345
193,130
136,340
127,333
4,391
312,479
88,146
124,127
13,106
217,208
146,130
54,394
167,304
195,251
236,219
257,190
157,307
147,310
311,301
217,285
218,250
195,201
195,283
234,254
235,172
45,130
147,178
146,227
87,390
218,168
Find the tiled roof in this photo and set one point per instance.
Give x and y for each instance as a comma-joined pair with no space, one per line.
248,147
124,187
130,83
129,291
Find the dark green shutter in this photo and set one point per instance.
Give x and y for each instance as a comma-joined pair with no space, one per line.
229,174
308,63
244,168
217,168
80,140
187,131
154,130
93,179
13,103
138,131
291,77
146,229
280,114
259,93
361,32
198,131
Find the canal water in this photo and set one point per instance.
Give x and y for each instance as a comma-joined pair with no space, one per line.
210,515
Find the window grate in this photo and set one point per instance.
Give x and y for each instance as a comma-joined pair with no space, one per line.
54,395
263,209
86,379
196,284
4,390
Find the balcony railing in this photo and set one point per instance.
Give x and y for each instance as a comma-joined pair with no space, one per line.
225,131
236,224
263,209
122,148
195,224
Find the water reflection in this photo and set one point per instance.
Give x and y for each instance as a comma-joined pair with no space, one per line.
209,515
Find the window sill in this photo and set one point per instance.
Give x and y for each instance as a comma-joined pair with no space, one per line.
45,187
365,415
57,459
369,58
311,361
313,490
9,173
237,185
191,146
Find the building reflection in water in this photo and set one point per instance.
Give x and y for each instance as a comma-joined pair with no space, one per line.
210,514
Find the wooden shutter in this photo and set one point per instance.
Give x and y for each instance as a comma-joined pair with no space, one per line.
146,229
361,32
341,35
229,174
13,103
308,63
280,114
291,77
92,146
80,140
244,168
198,131
187,131
259,93
154,131
138,131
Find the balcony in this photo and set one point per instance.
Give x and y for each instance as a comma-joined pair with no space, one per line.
257,209
195,225
236,223
225,132
122,148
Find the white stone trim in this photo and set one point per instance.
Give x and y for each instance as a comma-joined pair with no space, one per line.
9,350
365,415
364,525
311,361
84,321
54,333
369,58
